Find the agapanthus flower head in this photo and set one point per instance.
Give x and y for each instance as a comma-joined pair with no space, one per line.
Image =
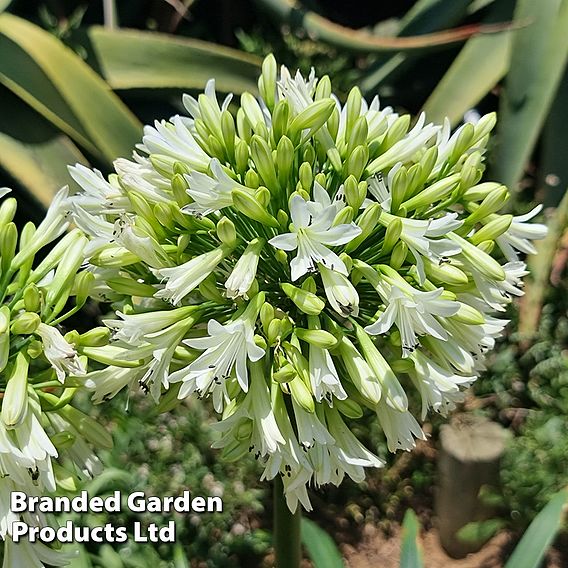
305,264
45,443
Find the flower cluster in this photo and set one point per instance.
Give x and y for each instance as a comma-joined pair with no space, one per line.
45,443
301,263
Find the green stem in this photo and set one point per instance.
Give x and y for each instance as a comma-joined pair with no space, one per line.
286,530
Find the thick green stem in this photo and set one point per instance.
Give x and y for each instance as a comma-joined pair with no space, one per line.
286,530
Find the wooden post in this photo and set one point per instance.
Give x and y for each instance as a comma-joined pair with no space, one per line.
471,448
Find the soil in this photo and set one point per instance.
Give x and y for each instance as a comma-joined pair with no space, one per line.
376,550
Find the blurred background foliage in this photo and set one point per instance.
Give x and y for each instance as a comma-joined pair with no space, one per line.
79,78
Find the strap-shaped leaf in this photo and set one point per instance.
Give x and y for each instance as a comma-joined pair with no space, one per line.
320,546
540,534
58,84
538,58
131,59
410,554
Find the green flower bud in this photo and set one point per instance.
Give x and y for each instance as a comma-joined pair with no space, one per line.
32,298
436,192
4,336
402,365
280,120
445,273
262,156
267,81
345,216
262,195
8,209
492,203
427,163
484,126
216,148
274,332
392,235
226,232
252,179
313,117
251,108
244,127
469,315
495,228
480,191
306,176
463,143
351,189
179,189
87,427
109,355
25,323
281,257
282,218
8,243
349,408
398,255
353,110
63,440
399,188
367,222
96,337
285,374
396,132
15,401
488,266
284,159
131,287
307,302
241,156
357,162
323,88
250,207
229,133
266,315
309,285
301,394
316,337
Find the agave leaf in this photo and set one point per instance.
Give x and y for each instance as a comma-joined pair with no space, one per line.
538,58
35,157
131,59
480,65
64,89
325,30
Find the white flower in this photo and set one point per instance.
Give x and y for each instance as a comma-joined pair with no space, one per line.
32,554
310,236
4,191
59,352
175,141
439,388
323,375
413,312
228,347
420,236
244,272
340,292
349,450
99,196
265,436
181,280
380,189
107,382
520,234
404,149
297,90
497,294
310,429
400,428
210,193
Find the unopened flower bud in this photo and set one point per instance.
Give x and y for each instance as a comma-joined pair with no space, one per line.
96,337
15,401
344,217
241,156
398,255
313,117
285,374
280,118
262,156
249,206
495,228
25,323
357,162
226,232
367,222
316,337
4,336
349,408
267,81
306,301
306,176
469,315
445,273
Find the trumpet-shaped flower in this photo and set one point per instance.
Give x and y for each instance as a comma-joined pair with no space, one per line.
519,235
311,235
59,352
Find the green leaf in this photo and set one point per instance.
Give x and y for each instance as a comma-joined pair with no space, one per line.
4,4
54,81
131,59
480,531
538,57
410,554
320,546
540,534
32,151
480,65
